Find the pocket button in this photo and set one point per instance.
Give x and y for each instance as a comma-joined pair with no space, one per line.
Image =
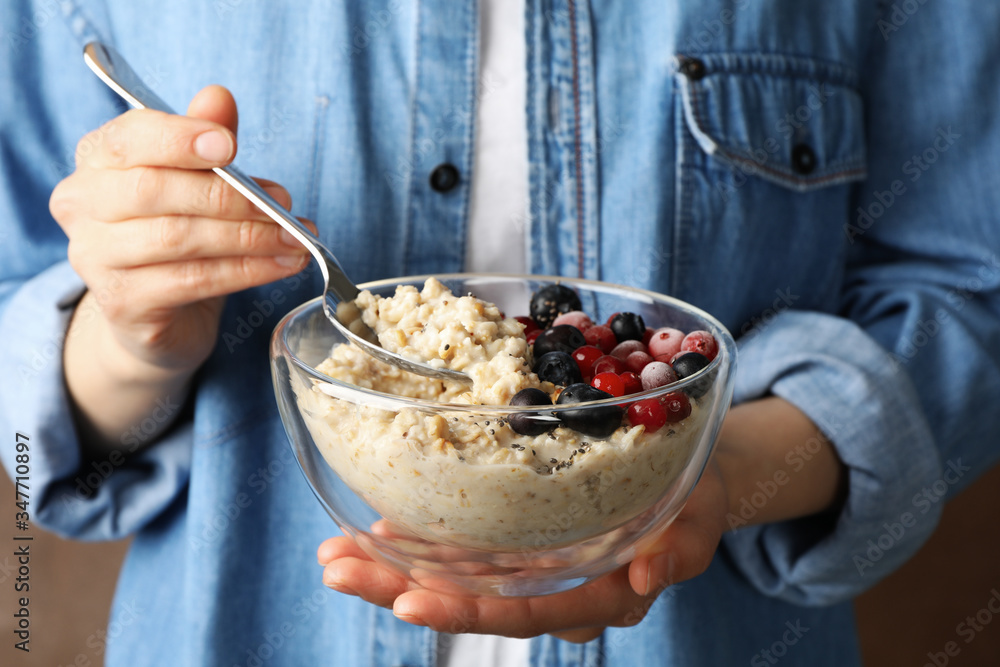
692,68
803,159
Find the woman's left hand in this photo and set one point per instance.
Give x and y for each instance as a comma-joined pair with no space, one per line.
621,598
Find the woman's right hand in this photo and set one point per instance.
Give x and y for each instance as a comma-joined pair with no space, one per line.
159,240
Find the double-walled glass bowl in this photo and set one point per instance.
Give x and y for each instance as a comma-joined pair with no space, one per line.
545,514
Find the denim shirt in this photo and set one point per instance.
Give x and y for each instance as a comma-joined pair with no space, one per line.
818,175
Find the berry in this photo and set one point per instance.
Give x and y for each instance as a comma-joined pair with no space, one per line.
646,336
549,301
676,405
607,363
529,324
648,412
657,374
526,423
562,338
622,350
689,363
637,361
597,422
610,383
628,326
558,368
585,357
701,342
574,318
611,317
601,336
533,336
666,342
633,385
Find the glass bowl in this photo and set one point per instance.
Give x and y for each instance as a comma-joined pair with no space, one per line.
516,515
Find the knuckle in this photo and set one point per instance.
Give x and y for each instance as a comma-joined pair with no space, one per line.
147,184
219,196
249,236
192,277
172,234
61,204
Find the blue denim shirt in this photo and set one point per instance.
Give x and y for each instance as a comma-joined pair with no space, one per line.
819,175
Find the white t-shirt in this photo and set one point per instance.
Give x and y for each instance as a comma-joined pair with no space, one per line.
497,208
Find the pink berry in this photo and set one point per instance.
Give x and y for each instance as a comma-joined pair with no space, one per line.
648,412
637,360
666,342
633,385
657,374
601,336
622,350
609,382
585,356
575,318
607,363
701,342
676,405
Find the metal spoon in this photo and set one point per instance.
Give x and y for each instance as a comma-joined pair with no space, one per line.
340,292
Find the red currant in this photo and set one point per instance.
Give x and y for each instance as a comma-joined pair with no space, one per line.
585,357
701,342
657,374
607,363
529,324
609,382
637,360
633,385
622,350
601,336
532,336
574,318
647,336
648,412
666,342
676,405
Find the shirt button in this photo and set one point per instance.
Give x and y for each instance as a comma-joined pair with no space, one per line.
444,177
692,68
803,159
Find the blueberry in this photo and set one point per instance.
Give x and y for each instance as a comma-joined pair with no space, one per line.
563,338
597,422
558,368
551,301
525,423
627,326
687,365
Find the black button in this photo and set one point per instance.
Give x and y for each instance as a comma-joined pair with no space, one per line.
692,68
444,177
803,159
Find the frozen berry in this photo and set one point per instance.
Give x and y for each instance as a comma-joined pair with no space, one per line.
597,422
633,385
585,357
612,383
607,363
574,318
552,300
562,338
676,405
637,361
689,363
528,423
622,350
646,336
628,326
558,368
701,342
601,336
666,342
657,374
648,412
529,324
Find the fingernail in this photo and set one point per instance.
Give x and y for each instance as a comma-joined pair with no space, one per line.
213,146
339,586
288,239
290,261
409,618
661,563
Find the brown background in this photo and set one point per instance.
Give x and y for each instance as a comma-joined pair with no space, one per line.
910,614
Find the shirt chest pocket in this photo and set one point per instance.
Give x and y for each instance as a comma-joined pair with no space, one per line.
770,150
795,122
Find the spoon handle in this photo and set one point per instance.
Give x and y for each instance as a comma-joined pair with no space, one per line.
114,70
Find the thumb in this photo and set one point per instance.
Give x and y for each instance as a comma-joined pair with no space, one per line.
216,104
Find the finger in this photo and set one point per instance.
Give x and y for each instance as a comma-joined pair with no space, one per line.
173,238
174,284
579,636
216,104
338,547
367,579
145,192
144,137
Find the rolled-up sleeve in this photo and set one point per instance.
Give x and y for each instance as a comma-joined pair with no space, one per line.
905,379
